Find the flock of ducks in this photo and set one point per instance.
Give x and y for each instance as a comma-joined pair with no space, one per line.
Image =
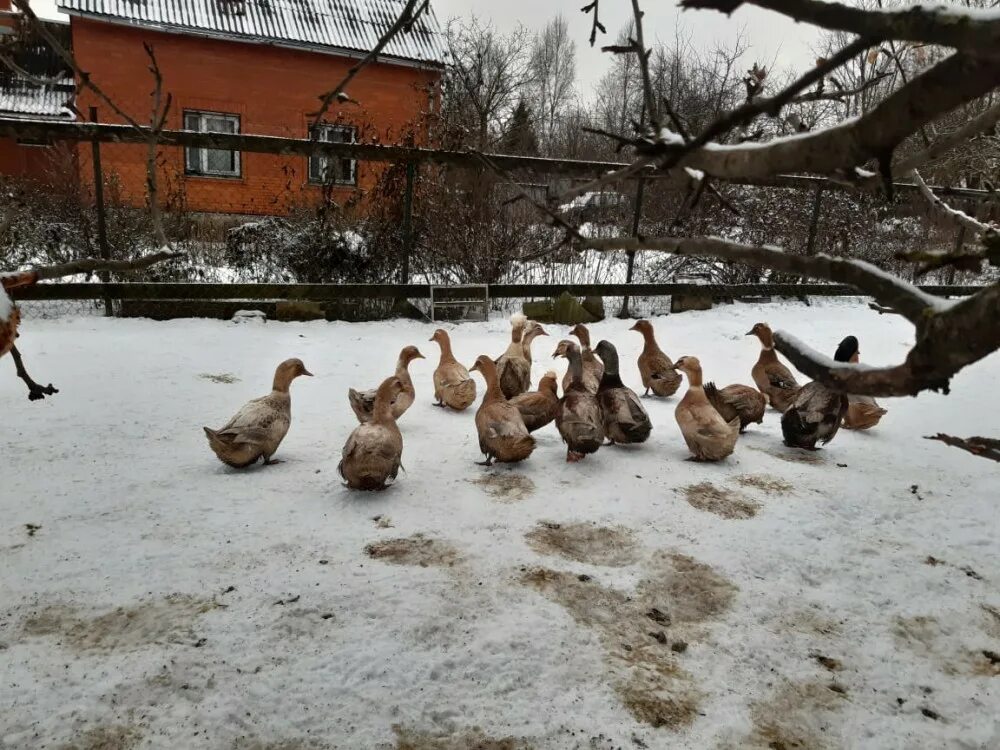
596,408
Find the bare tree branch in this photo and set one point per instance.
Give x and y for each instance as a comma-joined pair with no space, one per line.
983,124
959,218
962,28
407,17
950,335
84,265
67,57
157,120
977,446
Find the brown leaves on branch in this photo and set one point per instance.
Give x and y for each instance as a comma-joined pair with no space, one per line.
977,446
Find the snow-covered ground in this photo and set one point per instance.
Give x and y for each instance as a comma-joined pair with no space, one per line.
151,597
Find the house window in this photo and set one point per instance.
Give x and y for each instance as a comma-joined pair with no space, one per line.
333,170
211,161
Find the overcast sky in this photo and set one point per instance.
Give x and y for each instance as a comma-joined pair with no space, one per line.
772,36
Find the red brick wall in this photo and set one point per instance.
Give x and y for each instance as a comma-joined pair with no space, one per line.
272,89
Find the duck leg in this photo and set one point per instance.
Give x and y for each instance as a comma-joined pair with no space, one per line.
35,391
268,461
487,462
572,456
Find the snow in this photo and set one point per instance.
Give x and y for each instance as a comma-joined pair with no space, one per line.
160,595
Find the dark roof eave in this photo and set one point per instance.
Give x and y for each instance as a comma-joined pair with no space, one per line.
302,47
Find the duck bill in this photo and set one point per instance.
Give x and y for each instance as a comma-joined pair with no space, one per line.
749,333
306,372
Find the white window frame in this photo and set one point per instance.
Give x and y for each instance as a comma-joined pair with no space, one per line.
197,120
317,166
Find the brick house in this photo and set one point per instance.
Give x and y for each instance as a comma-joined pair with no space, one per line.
252,66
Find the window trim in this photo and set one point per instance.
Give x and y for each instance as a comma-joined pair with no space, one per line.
203,171
329,127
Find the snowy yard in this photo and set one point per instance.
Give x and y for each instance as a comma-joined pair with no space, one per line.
151,597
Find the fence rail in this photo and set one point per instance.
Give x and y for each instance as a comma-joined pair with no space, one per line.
334,292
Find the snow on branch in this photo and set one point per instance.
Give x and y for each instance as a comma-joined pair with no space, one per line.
949,335
967,29
935,92
959,218
84,265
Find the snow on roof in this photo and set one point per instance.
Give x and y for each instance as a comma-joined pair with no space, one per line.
352,25
19,97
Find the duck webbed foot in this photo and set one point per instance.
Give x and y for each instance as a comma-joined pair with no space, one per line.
272,461
35,392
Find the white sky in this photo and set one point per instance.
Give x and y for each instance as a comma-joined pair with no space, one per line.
773,37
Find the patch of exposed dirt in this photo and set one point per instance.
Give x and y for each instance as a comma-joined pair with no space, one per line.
613,546
828,662
506,487
793,455
115,737
414,550
766,483
164,620
226,378
926,637
722,502
632,629
474,739
798,716
304,744
690,591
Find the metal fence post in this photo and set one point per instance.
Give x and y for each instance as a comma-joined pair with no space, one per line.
640,191
411,173
102,228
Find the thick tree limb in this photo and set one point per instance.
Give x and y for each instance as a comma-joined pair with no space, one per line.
959,218
949,84
84,265
950,335
977,446
962,28
407,17
983,124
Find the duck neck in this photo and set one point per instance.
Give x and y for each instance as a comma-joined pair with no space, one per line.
584,335
649,341
611,377
382,411
282,381
548,386
489,371
446,355
526,342
402,370
575,366
694,379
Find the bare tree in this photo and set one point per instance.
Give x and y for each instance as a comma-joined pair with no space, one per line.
553,69
488,72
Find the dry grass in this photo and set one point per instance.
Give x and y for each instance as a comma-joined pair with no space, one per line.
722,502
766,483
585,542
506,487
415,550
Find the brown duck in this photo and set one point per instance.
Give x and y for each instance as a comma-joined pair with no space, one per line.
540,407
773,379
453,385
625,419
513,368
593,368
373,453
737,401
655,367
709,437
258,428
363,402
503,435
579,418
863,412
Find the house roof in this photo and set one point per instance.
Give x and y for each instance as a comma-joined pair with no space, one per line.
22,98
328,25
